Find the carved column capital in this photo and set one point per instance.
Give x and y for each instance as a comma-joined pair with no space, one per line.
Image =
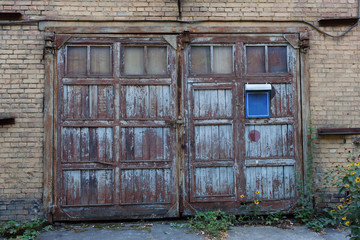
49,44
304,42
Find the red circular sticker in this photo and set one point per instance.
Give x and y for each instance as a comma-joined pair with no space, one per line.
254,135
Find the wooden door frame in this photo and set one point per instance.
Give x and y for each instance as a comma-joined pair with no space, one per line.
56,34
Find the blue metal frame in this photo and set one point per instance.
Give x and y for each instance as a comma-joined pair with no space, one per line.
257,104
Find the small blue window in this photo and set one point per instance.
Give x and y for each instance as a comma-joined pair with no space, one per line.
257,99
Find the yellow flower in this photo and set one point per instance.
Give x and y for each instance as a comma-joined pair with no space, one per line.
347,223
357,180
357,164
256,202
341,230
332,211
340,207
344,218
347,185
353,173
257,192
242,196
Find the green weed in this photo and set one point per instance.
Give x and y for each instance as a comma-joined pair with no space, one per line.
24,231
212,224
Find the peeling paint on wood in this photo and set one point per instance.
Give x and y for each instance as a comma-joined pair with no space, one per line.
145,186
122,137
273,183
274,141
116,135
84,187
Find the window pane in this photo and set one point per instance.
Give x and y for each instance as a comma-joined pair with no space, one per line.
100,63
157,60
255,59
277,59
134,61
223,60
76,60
200,59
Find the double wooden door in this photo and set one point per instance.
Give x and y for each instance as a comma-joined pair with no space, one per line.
149,129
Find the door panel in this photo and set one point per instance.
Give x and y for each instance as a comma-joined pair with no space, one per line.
231,155
116,136
212,182
268,141
144,186
84,144
148,101
273,183
144,143
212,141
88,102
85,187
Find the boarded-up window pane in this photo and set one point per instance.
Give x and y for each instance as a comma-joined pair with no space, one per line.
277,59
134,61
76,60
200,60
255,59
100,63
223,60
157,60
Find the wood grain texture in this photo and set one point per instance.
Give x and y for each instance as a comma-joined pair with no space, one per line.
145,186
88,102
87,144
273,183
214,181
87,187
274,141
282,103
148,101
144,143
212,103
214,142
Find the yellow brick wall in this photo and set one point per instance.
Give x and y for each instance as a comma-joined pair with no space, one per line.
334,94
334,71
21,93
202,9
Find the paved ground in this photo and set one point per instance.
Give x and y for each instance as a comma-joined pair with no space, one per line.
172,230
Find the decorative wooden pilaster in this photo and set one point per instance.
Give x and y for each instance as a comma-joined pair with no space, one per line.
49,59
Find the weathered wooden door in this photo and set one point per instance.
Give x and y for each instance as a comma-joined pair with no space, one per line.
118,144
116,134
233,160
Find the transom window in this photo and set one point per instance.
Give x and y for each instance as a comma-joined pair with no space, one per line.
211,60
266,59
145,60
89,61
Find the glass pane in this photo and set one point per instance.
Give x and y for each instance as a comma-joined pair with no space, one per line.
134,61
157,60
223,60
200,59
277,59
255,59
76,60
100,63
